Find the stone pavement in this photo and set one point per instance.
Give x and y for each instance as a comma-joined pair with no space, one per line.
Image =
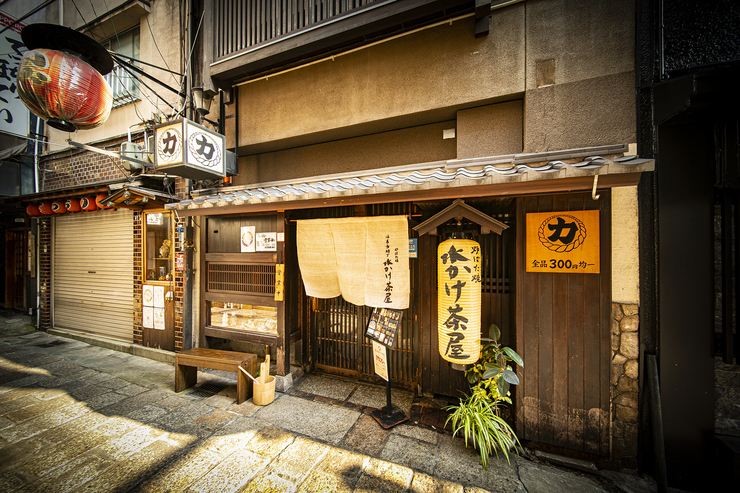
77,417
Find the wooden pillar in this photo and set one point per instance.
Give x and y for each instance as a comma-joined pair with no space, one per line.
282,358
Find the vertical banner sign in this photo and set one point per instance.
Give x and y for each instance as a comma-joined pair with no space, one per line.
279,278
14,115
380,356
565,242
459,300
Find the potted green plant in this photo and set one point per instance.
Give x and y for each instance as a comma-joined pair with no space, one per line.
478,416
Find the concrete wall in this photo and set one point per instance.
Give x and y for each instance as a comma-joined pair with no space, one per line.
551,75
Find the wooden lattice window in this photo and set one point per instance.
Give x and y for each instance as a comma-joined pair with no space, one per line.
245,278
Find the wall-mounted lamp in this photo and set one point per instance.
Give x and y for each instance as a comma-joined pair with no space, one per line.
202,100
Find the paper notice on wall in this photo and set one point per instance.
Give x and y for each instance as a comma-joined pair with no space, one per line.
148,317
266,242
147,295
365,259
248,240
158,318
159,296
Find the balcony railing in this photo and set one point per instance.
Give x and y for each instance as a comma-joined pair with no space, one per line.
241,24
125,88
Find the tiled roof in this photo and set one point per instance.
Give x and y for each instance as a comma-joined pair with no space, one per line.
499,171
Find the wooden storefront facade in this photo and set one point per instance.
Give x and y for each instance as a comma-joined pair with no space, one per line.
559,323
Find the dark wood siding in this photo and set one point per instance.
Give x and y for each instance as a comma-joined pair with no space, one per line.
563,335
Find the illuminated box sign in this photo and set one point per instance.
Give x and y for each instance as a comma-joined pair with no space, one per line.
563,242
184,148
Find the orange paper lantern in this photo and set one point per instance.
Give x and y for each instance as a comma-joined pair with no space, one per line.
63,89
45,208
100,201
58,207
33,210
72,205
88,204
459,301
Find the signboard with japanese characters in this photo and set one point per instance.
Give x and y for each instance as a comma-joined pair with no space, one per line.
279,281
14,115
459,300
266,242
383,325
184,148
380,357
566,242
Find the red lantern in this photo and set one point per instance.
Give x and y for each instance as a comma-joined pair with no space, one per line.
88,204
100,200
63,90
33,210
72,205
45,208
58,207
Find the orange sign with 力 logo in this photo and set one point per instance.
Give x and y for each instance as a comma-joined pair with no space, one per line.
563,242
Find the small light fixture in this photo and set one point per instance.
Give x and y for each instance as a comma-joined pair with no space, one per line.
202,100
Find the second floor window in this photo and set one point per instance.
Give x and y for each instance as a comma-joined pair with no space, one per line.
124,86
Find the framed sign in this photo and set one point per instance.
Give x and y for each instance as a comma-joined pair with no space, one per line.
266,242
380,358
566,242
383,325
247,239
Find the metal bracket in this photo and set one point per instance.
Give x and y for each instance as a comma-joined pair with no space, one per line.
108,153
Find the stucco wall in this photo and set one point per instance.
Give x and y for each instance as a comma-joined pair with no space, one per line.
625,248
487,87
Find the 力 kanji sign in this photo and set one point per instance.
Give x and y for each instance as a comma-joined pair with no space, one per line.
563,242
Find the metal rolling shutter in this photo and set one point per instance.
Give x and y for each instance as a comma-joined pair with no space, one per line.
92,286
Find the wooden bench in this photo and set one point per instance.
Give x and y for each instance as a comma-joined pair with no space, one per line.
188,362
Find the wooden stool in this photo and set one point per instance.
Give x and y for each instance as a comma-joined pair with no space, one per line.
188,362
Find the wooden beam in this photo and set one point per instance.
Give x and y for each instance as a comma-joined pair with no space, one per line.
461,209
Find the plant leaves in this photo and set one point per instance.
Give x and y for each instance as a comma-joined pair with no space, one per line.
514,356
511,377
494,332
503,387
492,373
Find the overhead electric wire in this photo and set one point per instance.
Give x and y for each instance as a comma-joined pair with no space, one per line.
124,67
146,17
190,56
130,58
25,16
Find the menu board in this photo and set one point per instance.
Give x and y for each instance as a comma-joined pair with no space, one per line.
383,325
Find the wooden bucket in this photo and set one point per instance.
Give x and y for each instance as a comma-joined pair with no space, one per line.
264,394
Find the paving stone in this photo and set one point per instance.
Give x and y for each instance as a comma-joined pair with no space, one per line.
71,475
376,398
124,475
462,465
103,400
246,408
270,482
410,453
185,414
269,441
231,474
19,403
182,471
215,420
416,432
429,484
42,423
88,391
172,402
219,401
367,436
540,479
326,386
326,423
113,383
40,408
299,459
235,435
122,447
147,414
131,390
382,476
